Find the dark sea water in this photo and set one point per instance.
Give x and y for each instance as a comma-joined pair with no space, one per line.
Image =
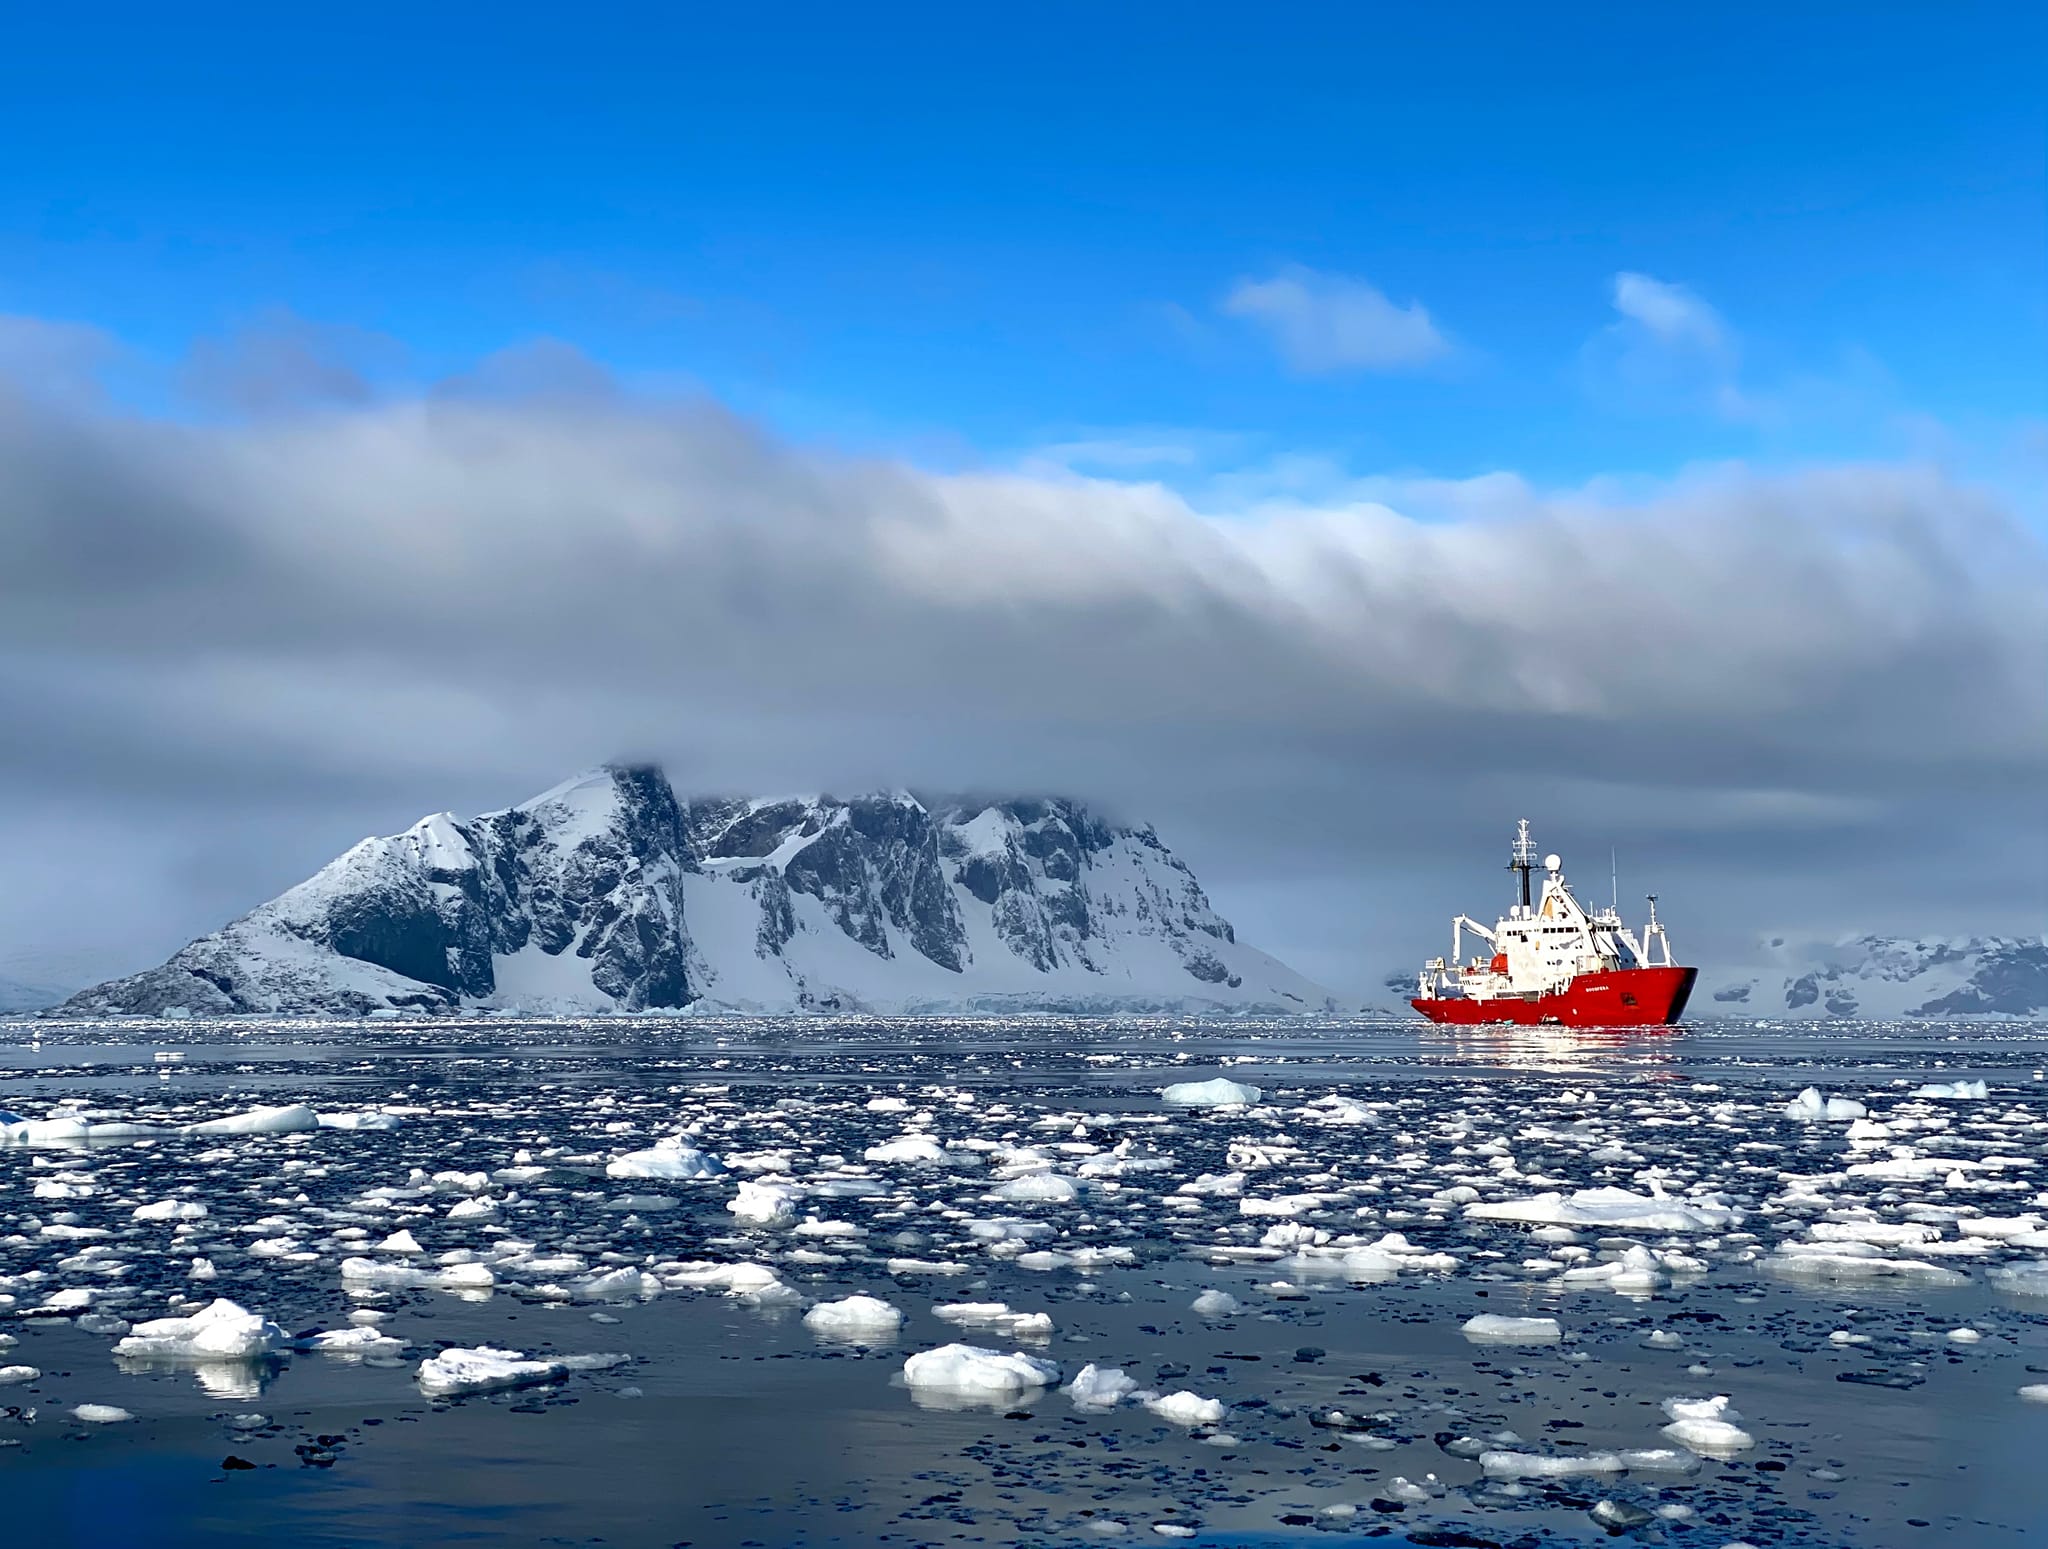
1877,1377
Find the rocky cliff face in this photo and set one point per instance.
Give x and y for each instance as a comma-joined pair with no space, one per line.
607,893
1889,976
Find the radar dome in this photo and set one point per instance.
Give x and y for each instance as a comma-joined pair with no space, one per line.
1552,862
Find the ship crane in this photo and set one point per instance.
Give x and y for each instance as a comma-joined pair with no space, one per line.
1555,961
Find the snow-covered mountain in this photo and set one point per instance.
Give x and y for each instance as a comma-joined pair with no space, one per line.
609,893
1886,976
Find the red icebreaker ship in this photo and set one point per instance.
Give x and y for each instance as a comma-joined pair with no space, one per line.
1554,962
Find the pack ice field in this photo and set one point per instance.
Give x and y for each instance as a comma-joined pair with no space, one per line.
1029,1281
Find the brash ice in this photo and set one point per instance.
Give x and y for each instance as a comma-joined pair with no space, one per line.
1555,961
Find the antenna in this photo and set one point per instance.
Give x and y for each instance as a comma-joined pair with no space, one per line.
1522,858
1614,881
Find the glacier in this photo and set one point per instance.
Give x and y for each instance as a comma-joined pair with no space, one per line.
610,893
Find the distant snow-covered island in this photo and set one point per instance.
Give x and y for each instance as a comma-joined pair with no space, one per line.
1884,978
610,893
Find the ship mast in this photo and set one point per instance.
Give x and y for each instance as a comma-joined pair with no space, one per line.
1523,859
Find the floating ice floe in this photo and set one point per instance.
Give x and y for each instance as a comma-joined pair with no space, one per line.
1706,1425
1219,1093
451,1277
484,1369
671,1158
69,1130
1099,1387
1810,1105
13,1376
1391,1256
972,1370
617,1285
854,1317
171,1210
1214,1185
1635,1273
997,1318
1501,1463
220,1331
1214,1304
285,1119
1613,1207
363,1120
1185,1408
1496,1328
765,1204
754,1283
920,1149
364,1339
1045,1188
100,1414
2024,1279
1841,1261
1958,1090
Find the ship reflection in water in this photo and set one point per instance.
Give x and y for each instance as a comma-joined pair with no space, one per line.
1652,1053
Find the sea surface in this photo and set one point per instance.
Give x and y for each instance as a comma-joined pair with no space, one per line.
1869,1294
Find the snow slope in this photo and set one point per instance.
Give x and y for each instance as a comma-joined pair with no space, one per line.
607,893
1885,977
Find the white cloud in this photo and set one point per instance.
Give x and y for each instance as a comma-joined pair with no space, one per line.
387,608
1667,350
1334,322
1671,313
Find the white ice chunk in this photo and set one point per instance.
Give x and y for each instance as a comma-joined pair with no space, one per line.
1099,1387
1959,1090
997,1317
454,1277
854,1317
221,1331
483,1369
1037,1188
286,1119
921,1149
1613,1207
1186,1408
671,1158
1495,1328
765,1204
1214,1304
171,1210
1810,1105
1706,1425
1532,1465
1218,1093
970,1369
360,1121
754,1283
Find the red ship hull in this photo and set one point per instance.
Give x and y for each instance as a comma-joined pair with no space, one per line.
1624,997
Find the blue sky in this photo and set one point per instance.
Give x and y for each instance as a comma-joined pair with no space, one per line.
961,237
1727,329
